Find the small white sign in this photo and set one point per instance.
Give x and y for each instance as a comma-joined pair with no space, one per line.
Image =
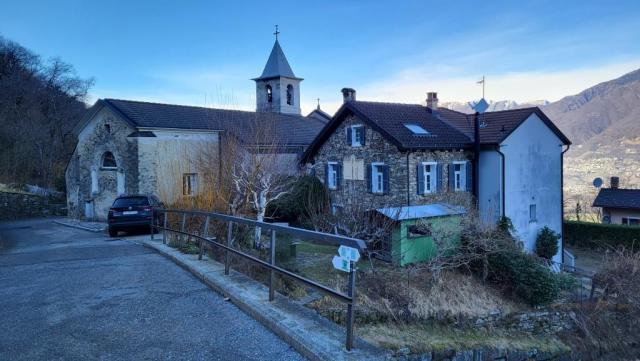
341,264
349,253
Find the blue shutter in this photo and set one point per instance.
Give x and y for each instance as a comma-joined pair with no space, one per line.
326,175
440,178
363,133
349,136
385,179
452,180
420,178
338,175
469,177
368,179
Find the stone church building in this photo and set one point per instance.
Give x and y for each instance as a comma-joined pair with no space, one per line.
130,147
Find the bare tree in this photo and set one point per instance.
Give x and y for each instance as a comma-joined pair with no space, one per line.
40,104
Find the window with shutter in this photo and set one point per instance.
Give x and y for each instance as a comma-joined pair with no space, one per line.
427,177
469,177
385,179
356,135
458,177
379,173
332,175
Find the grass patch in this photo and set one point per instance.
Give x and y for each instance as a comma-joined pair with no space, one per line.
420,339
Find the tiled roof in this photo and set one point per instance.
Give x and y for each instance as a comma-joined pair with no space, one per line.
293,129
277,65
618,198
392,117
496,126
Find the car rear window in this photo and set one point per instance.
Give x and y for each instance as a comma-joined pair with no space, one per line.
131,201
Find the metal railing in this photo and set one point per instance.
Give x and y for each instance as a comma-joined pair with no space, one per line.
312,236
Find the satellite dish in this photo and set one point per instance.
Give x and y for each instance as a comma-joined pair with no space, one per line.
597,182
480,106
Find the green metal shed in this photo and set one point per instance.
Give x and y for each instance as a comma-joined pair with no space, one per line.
415,227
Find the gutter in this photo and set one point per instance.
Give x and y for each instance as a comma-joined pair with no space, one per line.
562,201
502,179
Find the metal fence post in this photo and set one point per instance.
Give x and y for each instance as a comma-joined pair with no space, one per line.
272,260
226,252
164,226
151,224
352,295
205,232
181,235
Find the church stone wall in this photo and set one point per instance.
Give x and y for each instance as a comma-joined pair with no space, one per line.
91,188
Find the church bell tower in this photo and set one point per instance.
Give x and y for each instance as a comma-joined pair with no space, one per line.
278,89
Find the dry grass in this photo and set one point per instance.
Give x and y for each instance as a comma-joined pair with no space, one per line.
402,298
421,339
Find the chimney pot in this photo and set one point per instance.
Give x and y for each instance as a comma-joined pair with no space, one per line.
432,100
348,94
615,182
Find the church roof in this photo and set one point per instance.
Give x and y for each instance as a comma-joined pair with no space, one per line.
293,130
277,65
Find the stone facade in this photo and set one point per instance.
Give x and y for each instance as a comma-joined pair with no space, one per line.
402,170
91,187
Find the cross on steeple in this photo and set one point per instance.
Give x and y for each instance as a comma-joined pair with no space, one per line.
276,33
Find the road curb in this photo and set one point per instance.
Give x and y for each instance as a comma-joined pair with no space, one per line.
80,227
310,334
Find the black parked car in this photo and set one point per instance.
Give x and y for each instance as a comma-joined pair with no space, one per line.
133,212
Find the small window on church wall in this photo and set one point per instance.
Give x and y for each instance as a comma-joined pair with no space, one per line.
269,94
289,94
107,128
108,160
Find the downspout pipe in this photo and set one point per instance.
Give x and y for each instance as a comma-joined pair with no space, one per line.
408,182
503,210
476,155
562,201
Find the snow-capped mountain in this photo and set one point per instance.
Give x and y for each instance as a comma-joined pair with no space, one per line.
494,105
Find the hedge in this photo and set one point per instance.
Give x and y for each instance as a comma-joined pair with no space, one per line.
596,235
525,276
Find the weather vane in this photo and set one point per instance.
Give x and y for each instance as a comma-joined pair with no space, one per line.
276,33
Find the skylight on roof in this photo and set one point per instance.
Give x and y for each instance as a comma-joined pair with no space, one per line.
416,129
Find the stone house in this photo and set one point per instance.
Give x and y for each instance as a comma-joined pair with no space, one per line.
402,155
128,147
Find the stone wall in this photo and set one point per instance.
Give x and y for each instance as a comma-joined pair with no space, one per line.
105,132
14,205
401,165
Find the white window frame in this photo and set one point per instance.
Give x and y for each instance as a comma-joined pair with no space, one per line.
629,219
432,175
332,176
189,184
355,142
462,173
377,178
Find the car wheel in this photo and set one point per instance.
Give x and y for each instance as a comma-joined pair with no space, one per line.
113,232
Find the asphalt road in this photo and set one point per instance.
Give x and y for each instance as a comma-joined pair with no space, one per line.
68,294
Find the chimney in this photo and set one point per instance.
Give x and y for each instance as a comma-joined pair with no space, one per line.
615,183
348,94
432,100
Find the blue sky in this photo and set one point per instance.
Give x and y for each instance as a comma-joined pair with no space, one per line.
192,52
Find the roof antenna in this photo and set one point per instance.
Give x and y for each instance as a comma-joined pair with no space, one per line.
276,33
481,82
